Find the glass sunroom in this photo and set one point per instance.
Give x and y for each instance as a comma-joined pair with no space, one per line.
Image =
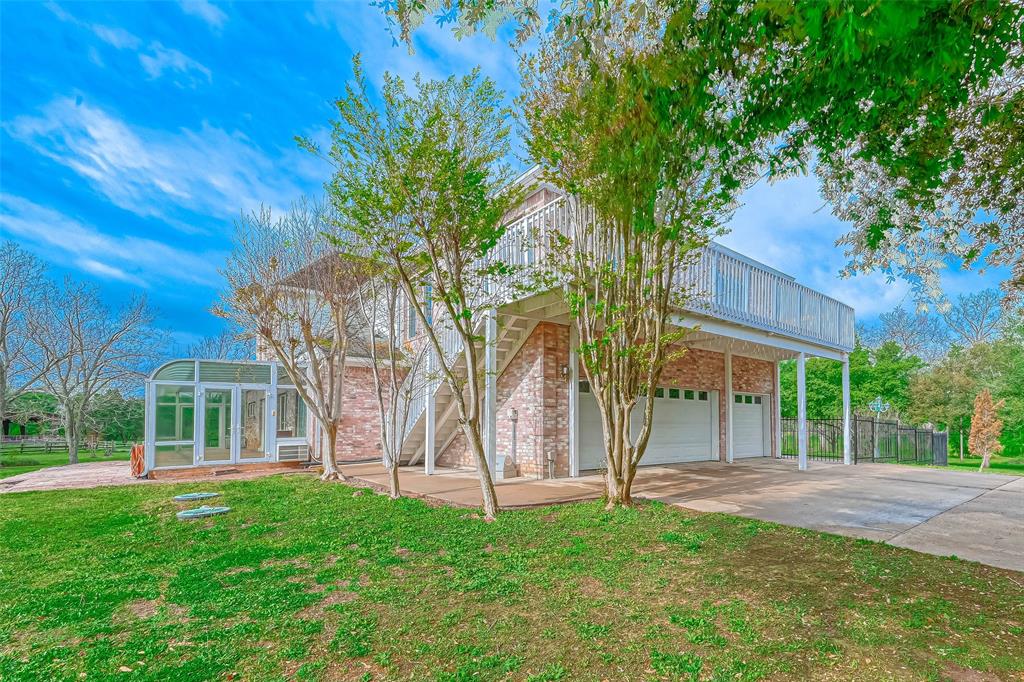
219,412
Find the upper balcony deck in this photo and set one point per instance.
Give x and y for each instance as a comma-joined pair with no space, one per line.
721,284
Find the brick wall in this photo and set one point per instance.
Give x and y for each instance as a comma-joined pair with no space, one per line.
531,384
359,435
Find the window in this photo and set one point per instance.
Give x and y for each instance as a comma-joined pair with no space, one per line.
175,413
291,414
659,393
703,395
748,399
673,393
584,387
688,395
757,400
738,398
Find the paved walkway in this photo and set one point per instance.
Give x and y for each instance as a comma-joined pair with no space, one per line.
96,474
972,515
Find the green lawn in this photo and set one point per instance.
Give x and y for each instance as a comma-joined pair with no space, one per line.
997,465
12,462
305,580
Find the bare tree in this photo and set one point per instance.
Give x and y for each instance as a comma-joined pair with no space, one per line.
289,288
919,334
976,318
86,349
230,344
23,287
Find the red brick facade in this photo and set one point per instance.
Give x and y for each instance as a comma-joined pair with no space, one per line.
359,435
532,384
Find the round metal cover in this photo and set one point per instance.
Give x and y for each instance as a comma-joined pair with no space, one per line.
190,497
202,512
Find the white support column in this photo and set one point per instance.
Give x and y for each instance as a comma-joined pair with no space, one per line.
574,402
728,406
847,443
271,414
777,411
801,409
430,445
491,389
149,427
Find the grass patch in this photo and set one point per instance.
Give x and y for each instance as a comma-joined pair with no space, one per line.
997,465
14,462
306,581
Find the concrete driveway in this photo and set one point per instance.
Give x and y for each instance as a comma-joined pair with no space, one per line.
972,515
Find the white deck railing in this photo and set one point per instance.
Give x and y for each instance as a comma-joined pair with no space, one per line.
718,283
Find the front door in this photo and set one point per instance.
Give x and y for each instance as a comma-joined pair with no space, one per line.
219,425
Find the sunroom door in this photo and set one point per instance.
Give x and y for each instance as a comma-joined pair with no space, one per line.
255,408
219,425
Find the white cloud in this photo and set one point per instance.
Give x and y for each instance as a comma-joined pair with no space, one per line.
207,11
156,173
136,260
116,37
155,61
163,59
788,226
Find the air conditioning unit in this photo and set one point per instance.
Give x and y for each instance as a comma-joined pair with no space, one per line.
298,452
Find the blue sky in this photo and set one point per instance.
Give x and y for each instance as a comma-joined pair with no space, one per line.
132,134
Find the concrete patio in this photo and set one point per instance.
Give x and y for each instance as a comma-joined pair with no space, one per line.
971,515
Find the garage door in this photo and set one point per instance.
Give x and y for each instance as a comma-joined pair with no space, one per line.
749,426
682,432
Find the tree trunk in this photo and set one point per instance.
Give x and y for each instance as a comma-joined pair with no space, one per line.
984,461
71,438
618,455
331,470
3,406
487,492
392,468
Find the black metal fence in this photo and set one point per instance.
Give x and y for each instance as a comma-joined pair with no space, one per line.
871,441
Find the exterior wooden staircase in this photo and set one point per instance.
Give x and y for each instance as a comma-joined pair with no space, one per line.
512,334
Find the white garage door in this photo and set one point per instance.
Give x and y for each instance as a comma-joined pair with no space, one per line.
683,428
749,426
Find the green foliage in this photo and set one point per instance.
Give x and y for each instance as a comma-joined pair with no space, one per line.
944,394
886,371
307,580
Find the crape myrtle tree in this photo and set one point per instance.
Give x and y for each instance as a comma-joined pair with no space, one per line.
422,183
643,199
912,113
399,372
290,289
